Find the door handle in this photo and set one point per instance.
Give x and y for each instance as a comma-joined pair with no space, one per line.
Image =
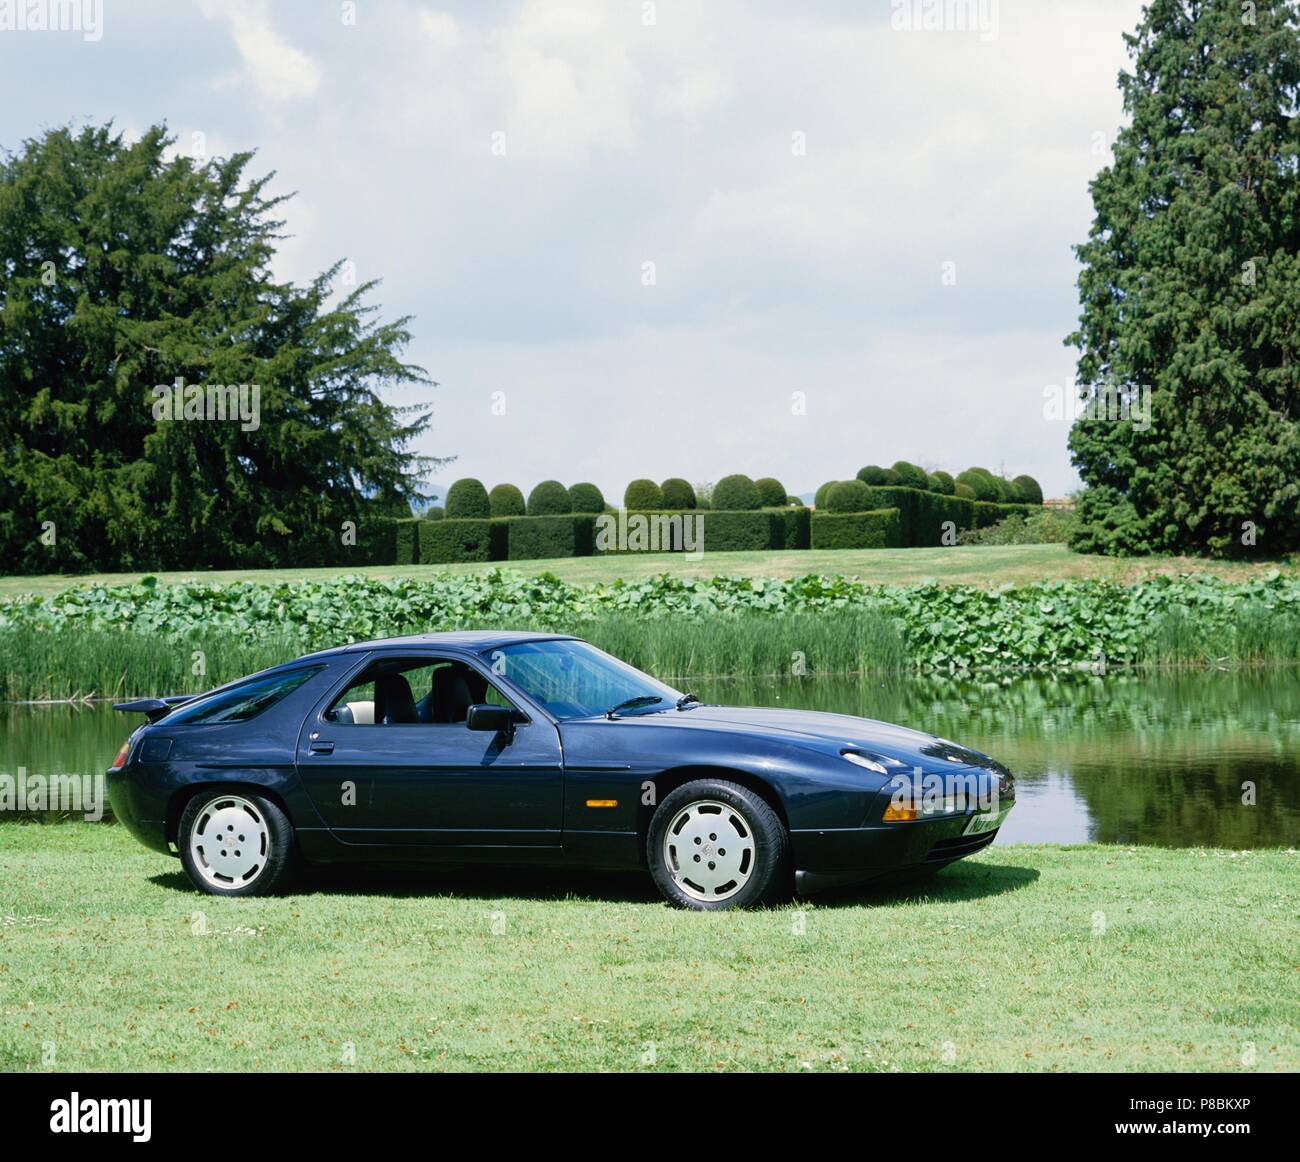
321,747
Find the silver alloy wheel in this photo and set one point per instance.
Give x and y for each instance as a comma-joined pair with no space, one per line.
709,850
230,842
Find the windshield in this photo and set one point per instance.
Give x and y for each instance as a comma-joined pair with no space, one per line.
575,680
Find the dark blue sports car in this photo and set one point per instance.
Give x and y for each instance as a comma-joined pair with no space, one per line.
530,748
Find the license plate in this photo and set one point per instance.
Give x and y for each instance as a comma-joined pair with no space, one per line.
980,823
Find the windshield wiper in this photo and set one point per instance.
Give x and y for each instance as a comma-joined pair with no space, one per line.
633,703
685,700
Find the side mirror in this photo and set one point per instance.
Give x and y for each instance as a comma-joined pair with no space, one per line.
485,716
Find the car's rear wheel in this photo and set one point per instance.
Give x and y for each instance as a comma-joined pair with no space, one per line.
715,844
235,843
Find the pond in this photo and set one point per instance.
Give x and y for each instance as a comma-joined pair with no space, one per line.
1157,758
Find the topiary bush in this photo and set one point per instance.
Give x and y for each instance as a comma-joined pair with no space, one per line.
848,496
872,474
586,498
506,500
643,494
467,500
819,497
980,482
771,492
1028,490
677,493
550,498
963,491
736,494
435,512
942,483
910,476
795,502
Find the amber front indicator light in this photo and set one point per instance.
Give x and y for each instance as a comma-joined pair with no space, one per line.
898,813
120,761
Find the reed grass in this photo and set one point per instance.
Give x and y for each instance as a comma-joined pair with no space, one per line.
66,663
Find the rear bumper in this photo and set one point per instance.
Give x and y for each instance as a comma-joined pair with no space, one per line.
849,855
141,811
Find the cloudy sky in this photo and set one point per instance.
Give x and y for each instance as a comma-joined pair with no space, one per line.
668,239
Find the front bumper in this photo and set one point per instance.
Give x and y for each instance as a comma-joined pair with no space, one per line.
832,857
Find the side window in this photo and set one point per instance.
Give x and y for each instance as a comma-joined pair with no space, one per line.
244,701
412,691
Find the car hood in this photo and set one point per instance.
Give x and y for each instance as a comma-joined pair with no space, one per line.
913,747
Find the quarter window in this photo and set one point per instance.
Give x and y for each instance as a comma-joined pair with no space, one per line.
245,701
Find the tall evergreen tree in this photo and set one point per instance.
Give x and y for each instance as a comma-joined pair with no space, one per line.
123,268
1190,290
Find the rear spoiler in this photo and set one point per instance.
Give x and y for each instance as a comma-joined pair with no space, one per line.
154,708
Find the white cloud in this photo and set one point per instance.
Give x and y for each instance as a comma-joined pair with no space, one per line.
276,69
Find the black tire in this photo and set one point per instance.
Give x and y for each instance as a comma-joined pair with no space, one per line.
766,875
261,839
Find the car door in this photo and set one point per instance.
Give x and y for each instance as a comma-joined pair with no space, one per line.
430,782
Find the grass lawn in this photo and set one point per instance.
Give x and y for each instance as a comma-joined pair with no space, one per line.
960,564
109,961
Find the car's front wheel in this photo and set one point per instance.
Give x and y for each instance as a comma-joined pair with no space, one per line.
716,844
235,843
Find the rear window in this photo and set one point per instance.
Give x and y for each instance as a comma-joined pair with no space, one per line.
245,701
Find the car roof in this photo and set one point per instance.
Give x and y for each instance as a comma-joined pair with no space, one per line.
469,639
465,639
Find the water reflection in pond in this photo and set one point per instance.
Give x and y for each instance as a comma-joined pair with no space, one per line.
1148,759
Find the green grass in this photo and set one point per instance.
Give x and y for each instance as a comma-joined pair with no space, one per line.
958,565
996,965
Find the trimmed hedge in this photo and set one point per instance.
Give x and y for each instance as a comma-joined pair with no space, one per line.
922,515
771,492
532,538
732,532
444,542
387,541
550,498
943,483
849,496
795,527
506,500
981,482
467,500
736,494
406,543
642,494
586,497
677,493
910,476
1028,490
872,474
879,529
